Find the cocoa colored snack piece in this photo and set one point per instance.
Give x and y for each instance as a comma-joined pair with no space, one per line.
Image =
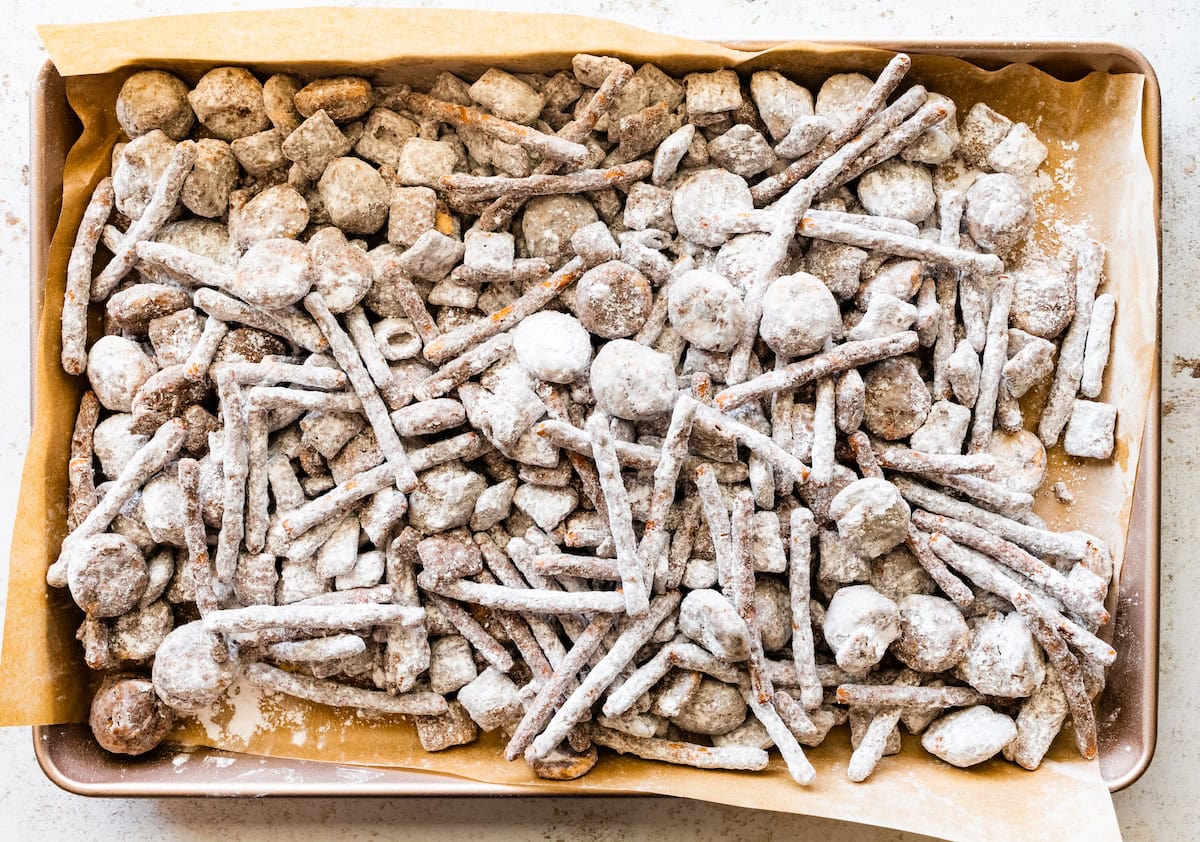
779,350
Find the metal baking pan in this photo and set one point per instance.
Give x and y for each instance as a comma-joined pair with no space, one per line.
1128,715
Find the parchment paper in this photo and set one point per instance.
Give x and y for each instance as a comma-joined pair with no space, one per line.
1104,180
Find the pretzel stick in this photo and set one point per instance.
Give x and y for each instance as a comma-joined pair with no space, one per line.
1042,542
158,211
681,754
896,457
798,765
874,741
577,705
451,344
889,78
580,181
284,398
541,710
464,367
257,498
1070,674
991,576
343,695
147,462
901,245
1069,373
587,567
195,536
717,518
892,144
995,353
327,508
538,602
500,212
460,116
486,645
714,421
908,697
373,406
620,518
950,211
1016,559
742,590
666,475
81,479
842,357
802,528
77,292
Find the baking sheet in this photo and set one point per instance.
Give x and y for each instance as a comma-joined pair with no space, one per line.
1108,181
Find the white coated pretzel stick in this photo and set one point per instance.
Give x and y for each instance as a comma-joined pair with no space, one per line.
373,406
577,705
842,357
580,181
713,420
311,617
464,367
716,515
147,462
907,696
317,648
257,495
789,212
742,590
1096,349
1042,542
268,373
889,78
158,210
343,695
547,146
1069,373
900,245
991,576
501,211
890,144
486,645
681,754
77,292
280,397
235,463
801,531
620,518
329,507
541,710
359,330
897,457
195,537
874,740
799,766
824,433
535,601
1013,557
995,353
666,474
452,344
950,211
587,567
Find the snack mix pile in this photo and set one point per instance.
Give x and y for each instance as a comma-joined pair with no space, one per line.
674,416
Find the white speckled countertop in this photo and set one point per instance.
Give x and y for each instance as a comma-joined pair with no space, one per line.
1163,805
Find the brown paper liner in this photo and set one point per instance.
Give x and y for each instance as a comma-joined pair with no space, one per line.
1105,181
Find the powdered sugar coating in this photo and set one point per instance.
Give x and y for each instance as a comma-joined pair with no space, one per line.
553,346
706,310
